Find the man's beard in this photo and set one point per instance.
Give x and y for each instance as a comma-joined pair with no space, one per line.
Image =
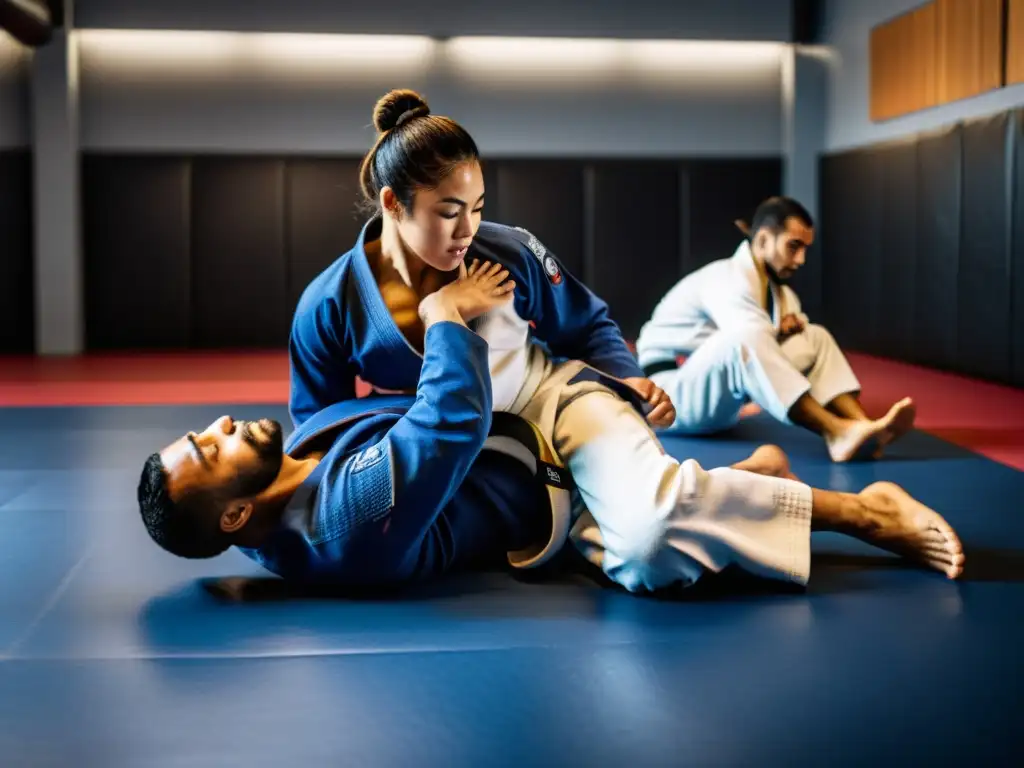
271,456
774,276
273,444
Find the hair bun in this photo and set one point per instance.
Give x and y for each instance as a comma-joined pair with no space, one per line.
393,106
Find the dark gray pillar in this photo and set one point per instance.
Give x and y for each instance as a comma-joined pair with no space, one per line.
58,259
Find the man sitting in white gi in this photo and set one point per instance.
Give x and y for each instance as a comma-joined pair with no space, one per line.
744,336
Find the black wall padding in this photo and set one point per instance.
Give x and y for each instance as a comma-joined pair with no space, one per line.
852,206
946,246
492,198
322,218
135,232
939,176
239,276
219,249
898,252
984,284
719,192
17,305
546,198
636,255
831,238
1017,255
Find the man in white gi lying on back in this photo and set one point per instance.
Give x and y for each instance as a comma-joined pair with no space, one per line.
744,338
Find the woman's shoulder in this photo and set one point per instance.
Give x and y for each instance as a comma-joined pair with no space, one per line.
506,234
513,246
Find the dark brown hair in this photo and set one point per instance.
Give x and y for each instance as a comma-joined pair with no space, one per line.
187,527
414,149
772,214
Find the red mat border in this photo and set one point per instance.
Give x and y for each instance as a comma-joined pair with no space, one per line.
980,416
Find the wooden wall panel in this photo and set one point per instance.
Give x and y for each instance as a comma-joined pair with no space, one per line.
969,48
944,51
902,64
884,71
1014,42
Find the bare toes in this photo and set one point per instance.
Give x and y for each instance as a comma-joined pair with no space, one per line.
940,554
956,570
943,529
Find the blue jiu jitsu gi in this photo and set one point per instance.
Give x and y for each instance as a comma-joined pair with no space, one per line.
405,490
557,360
342,328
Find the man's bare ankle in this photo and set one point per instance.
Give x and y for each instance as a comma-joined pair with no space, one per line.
836,512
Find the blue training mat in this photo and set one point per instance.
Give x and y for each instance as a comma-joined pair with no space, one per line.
116,654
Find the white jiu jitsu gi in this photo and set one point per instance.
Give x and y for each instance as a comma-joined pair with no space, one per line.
717,318
645,518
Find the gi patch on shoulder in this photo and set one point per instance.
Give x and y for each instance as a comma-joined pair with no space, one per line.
551,267
533,243
369,457
547,261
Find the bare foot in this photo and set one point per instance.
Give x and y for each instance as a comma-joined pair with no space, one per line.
768,460
891,519
901,420
861,439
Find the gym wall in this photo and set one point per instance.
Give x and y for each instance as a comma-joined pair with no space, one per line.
922,217
212,251
219,170
227,92
16,306
846,29
219,144
923,243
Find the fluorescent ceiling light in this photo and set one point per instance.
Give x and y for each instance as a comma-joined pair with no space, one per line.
265,52
522,61
581,62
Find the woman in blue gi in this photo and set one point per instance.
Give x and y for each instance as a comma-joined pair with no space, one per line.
556,359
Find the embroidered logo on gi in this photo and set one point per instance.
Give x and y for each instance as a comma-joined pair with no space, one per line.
368,458
554,476
546,259
551,267
533,243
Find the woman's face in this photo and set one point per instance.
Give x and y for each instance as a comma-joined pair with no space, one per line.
444,221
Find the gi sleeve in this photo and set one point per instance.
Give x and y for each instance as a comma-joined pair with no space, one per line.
386,497
569,318
320,374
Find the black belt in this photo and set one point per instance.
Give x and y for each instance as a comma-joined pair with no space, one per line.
662,365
